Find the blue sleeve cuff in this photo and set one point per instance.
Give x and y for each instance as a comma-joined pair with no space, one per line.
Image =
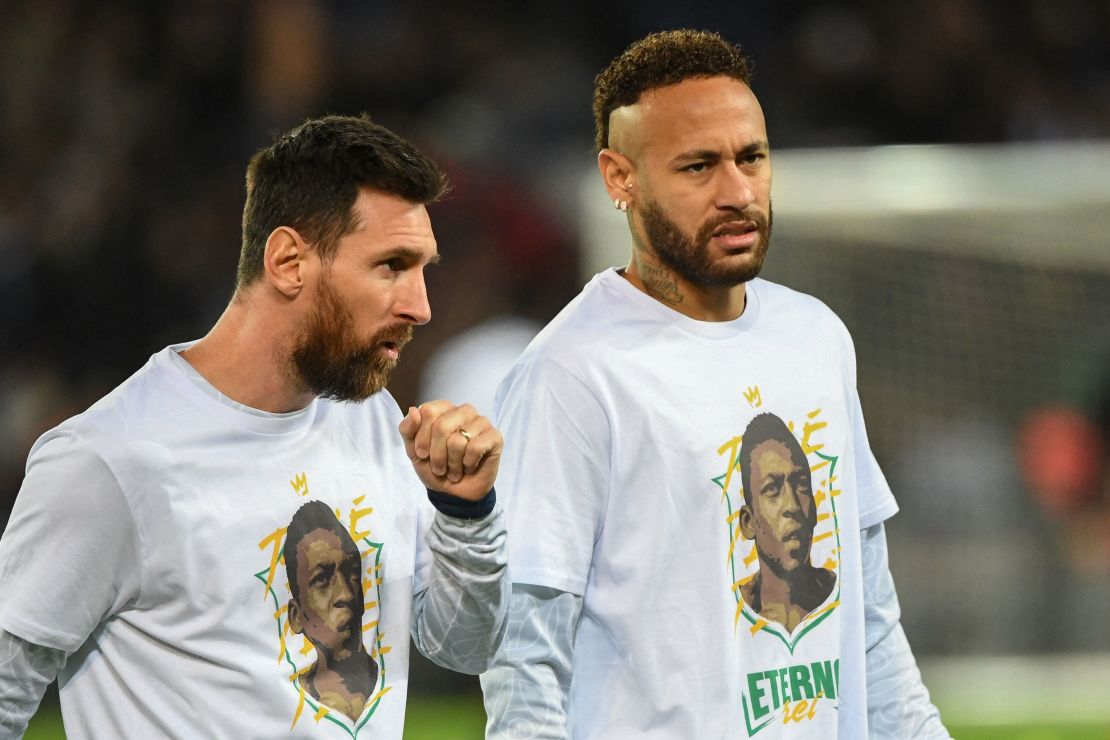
461,508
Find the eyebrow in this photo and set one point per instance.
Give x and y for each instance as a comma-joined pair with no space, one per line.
408,253
713,155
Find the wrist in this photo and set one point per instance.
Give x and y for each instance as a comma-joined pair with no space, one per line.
461,508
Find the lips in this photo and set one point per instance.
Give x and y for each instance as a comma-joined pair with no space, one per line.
392,341
735,228
736,235
392,350
344,618
794,535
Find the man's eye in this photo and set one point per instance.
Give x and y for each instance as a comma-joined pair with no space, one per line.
394,265
696,167
752,158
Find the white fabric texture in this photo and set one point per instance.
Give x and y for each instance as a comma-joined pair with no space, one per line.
26,670
148,538
623,423
526,690
898,704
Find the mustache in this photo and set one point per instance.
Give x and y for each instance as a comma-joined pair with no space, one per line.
399,334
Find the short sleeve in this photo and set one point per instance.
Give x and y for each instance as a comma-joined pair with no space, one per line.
69,557
876,502
554,473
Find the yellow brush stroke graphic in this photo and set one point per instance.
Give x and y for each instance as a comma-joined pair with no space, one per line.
379,695
808,429
751,557
357,514
737,535
742,582
300,706
273,539
828,608
733,448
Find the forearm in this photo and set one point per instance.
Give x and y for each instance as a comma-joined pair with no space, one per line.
898,704
526,689
459,619
26,670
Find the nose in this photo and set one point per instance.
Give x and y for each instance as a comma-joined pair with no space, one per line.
791,501
735,188
343,594
412,301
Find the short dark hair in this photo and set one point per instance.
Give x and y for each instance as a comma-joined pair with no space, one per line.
310,517
309,178
761,429
658,60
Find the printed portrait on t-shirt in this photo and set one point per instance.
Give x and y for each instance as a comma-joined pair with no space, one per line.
328,633
780,493
779,515
324,568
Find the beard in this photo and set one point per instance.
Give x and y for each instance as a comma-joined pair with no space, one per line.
329,360
689,258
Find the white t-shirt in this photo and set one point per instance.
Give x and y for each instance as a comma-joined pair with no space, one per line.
623,423
174,593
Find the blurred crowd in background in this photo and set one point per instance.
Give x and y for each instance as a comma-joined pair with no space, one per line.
125,129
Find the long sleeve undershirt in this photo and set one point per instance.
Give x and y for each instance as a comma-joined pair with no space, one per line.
526,690
458,620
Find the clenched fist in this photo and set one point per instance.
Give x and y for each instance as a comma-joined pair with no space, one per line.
453,449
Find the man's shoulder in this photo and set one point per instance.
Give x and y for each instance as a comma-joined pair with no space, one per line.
136,396
778,298
782,305
93,438
583,329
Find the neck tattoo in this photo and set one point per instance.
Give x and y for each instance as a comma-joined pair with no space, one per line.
660,283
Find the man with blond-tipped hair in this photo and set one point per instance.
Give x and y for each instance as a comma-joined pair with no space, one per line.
641,606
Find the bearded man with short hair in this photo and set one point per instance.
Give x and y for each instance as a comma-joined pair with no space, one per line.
142,561
640,606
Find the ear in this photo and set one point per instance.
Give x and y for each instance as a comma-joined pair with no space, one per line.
618,173
295,618
284,260
747,524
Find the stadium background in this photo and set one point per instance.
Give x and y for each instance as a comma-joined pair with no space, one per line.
974,273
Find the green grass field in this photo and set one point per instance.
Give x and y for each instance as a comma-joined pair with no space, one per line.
462,718
428,718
